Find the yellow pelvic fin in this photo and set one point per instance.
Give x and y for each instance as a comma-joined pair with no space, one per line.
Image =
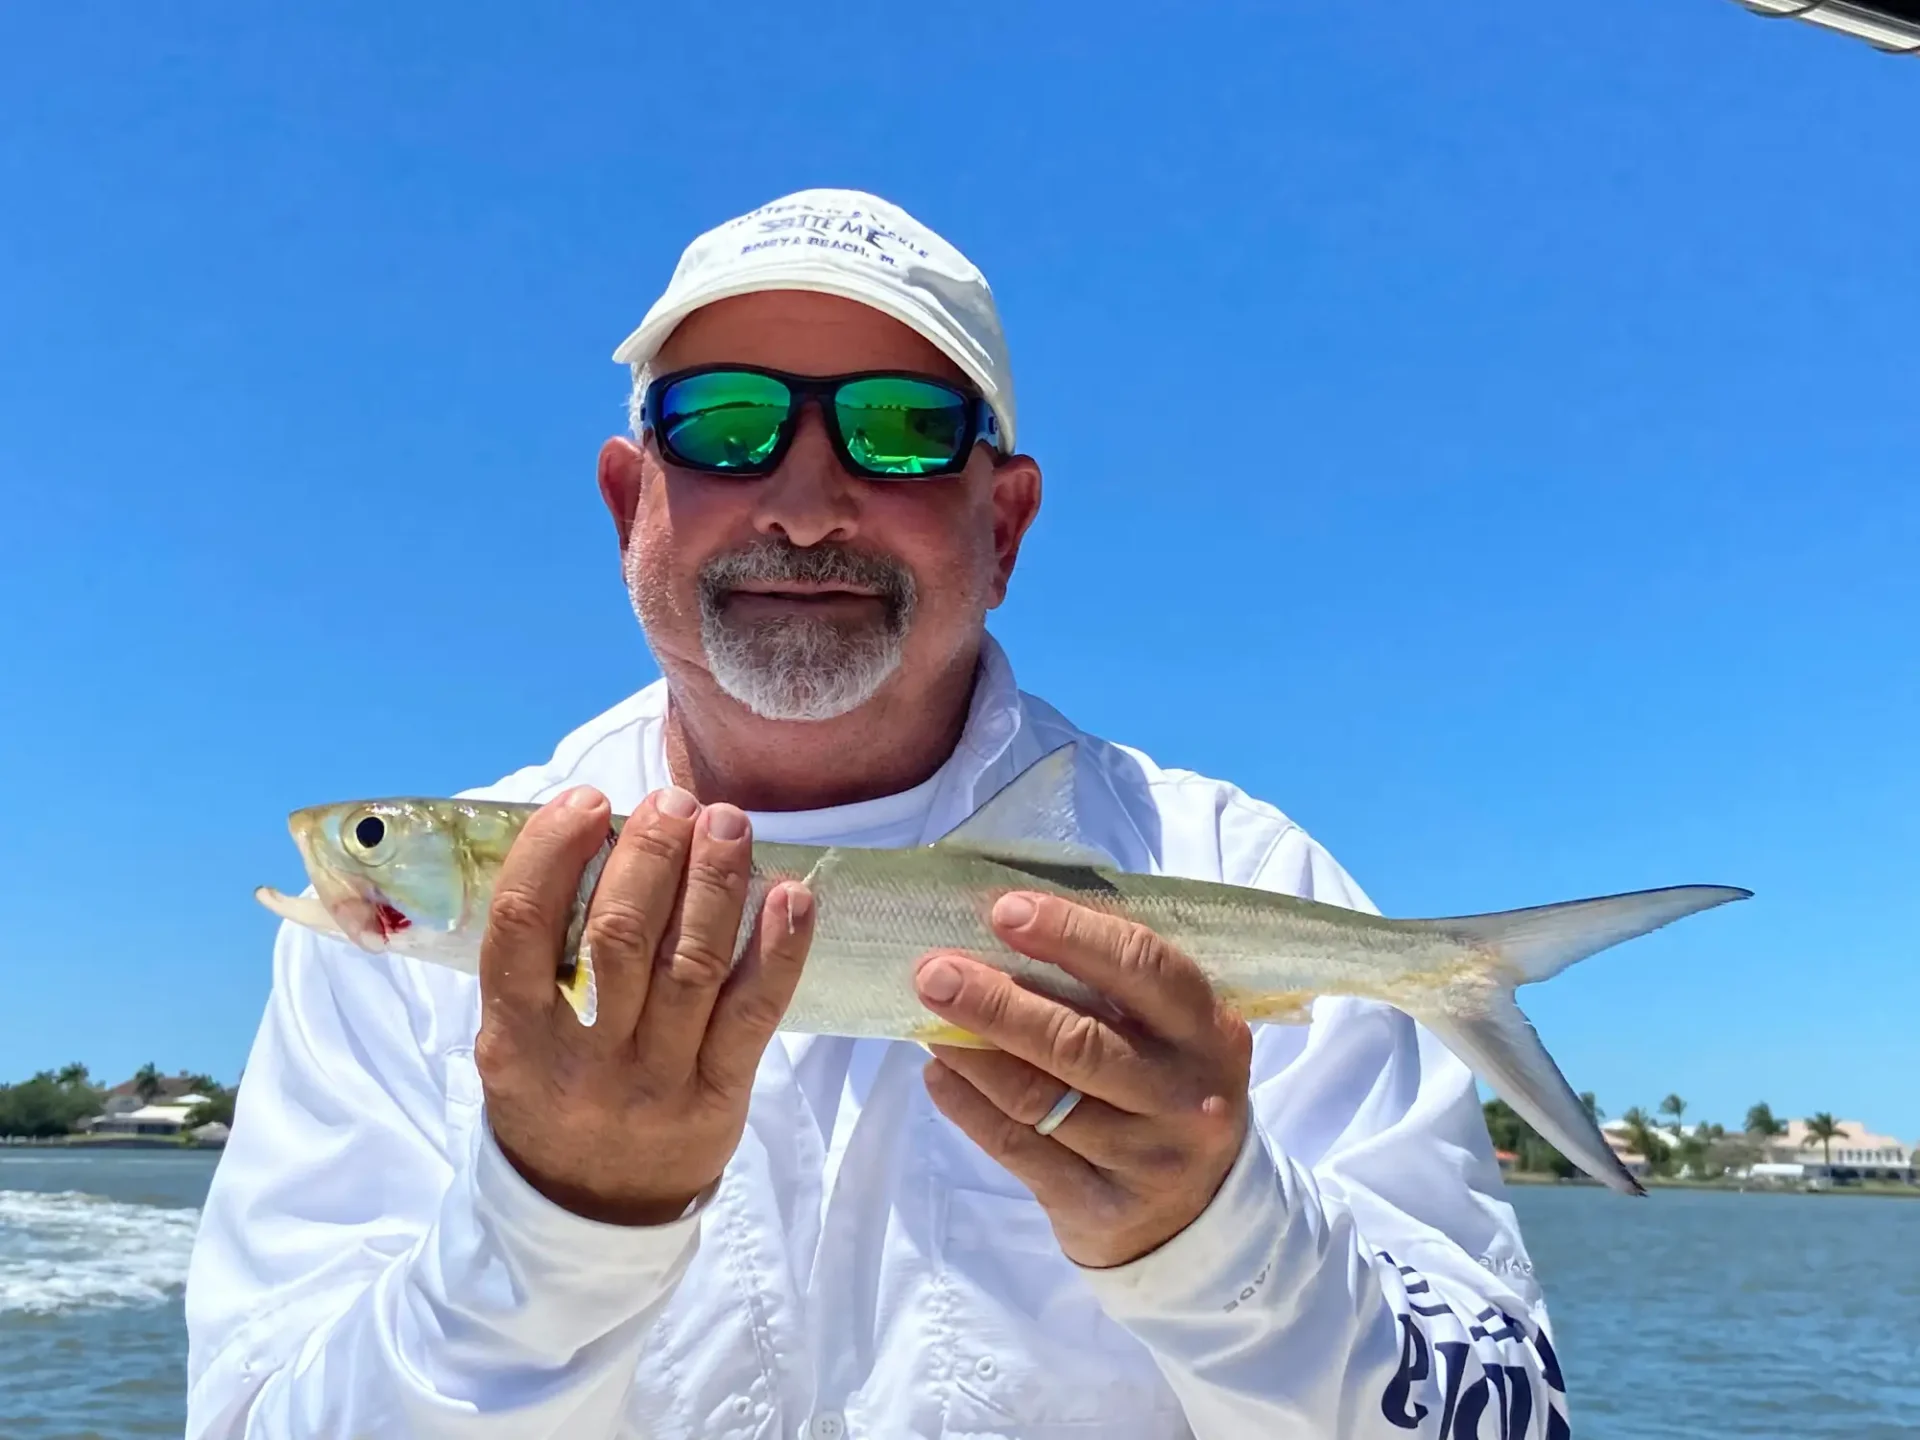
1279,1007
945,1032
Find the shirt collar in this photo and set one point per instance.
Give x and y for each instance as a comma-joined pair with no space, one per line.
995,723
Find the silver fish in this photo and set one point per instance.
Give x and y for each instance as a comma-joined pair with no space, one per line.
415,877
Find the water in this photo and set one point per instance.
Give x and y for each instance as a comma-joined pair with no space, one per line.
93,1259
1698,1312
1691,1313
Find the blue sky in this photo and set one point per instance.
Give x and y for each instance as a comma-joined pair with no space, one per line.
1488,432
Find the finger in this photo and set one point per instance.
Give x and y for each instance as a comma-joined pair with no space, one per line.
755,997
697,954
1083,1050
1055,1175
1143,1151
1118,957
630,911
533,901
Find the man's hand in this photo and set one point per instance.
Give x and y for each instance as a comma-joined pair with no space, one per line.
1165,1111
629,1121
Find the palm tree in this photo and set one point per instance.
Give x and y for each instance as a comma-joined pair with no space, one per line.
147,1082
1645,1137
1824,1128
1761,1122
1676,1107
1592,1107
74,1074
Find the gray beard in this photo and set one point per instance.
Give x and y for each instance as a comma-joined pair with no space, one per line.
800,667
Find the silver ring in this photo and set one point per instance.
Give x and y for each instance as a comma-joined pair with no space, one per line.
1062,1108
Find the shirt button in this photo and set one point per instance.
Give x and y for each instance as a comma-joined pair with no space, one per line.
983,1367
827,1425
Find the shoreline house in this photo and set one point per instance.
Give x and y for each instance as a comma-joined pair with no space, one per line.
163,1114
1858,1153
124,1098
169,1119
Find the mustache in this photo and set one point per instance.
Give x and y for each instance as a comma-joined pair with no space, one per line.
777,560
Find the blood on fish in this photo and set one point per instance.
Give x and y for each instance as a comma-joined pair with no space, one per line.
392,922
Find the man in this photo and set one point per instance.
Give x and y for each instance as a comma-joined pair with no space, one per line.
450,1210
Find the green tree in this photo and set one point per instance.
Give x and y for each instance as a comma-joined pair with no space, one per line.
1824,1128
1732,1152
1534,1153
1704,1152
1504,1125
45,1106
1676,1107
1762,1124
218,1106
74,1074
147,1082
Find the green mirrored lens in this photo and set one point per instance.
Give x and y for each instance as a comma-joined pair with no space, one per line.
901,426
726,419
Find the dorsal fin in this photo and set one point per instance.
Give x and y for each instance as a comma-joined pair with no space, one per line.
1033,816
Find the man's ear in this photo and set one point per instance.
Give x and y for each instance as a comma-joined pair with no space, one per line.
1016,501
621,475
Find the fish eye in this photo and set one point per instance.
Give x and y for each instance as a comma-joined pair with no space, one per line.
368,836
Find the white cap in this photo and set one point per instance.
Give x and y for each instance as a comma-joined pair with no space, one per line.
859,247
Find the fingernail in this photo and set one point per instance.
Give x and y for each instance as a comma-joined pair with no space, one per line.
676,802
1013,911
726,822
799,905
581,797
939,981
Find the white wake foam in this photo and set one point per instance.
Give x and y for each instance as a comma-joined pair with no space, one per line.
70,1250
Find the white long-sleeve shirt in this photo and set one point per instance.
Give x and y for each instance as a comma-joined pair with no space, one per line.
368,1264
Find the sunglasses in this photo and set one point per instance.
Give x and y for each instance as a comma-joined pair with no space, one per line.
884,424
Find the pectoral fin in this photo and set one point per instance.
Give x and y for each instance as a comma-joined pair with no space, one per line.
577,985
944,1032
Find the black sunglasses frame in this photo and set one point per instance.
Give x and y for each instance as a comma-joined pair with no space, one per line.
980,423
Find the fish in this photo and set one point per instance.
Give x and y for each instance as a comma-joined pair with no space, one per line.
414,877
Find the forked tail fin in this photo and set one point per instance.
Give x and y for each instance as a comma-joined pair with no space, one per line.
1484,1027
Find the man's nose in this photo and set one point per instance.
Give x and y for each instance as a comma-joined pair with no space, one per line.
810,498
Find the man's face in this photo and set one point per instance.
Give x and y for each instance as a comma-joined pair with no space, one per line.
806,592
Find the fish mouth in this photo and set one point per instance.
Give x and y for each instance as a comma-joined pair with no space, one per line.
358,911
299,909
